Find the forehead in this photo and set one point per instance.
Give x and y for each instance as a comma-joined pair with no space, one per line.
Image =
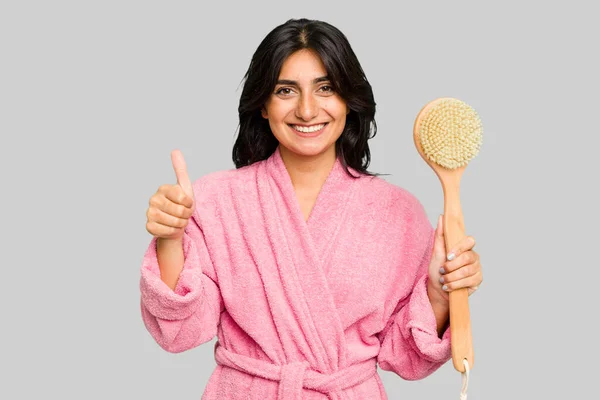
303,65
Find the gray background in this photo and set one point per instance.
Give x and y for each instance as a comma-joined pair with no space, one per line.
95,95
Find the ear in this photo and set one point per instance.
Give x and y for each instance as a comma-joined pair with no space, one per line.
263,112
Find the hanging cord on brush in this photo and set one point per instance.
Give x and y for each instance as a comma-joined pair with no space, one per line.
465,381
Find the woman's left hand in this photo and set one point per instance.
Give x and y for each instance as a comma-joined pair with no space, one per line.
454,269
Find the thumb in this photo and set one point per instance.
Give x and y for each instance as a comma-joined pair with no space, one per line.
181,172
439,246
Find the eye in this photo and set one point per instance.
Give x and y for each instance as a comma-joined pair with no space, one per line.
284,91
326,89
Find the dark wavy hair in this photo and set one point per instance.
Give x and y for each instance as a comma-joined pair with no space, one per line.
256,142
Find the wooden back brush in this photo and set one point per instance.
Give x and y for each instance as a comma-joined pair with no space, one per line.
448,135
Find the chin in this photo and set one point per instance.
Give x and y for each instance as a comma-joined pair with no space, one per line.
308,150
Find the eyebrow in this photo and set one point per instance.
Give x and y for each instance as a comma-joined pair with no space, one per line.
291,82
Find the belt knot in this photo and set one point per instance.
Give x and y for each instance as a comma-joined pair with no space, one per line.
296,376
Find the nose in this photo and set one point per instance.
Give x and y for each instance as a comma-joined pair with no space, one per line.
307,108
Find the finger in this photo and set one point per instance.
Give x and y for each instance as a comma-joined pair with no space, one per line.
439,232
171,208
162,202
177,195
461,273
472,289
468,257
439,246
160,230
472,282
161,217
466,244
181,172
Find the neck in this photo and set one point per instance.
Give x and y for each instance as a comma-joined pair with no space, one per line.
308,173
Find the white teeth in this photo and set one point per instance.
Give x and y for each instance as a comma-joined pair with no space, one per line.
307,129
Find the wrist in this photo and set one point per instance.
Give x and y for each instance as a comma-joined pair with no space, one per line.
169,242
441,308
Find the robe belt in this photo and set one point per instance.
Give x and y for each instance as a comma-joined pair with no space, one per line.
297,375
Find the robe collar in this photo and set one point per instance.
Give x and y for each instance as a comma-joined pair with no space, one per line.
329,210
336,186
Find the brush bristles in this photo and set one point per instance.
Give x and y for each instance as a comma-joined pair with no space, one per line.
450,133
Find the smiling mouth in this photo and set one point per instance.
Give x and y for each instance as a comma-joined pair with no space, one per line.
308,129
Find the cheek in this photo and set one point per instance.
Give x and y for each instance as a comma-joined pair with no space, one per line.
336,109
277,110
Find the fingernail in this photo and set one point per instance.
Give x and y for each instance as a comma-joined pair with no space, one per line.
451,256
445,287
442,279
442,271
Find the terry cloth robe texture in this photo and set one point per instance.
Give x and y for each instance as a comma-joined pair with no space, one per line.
301,309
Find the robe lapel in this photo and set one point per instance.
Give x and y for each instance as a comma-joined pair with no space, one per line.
329,213
299,258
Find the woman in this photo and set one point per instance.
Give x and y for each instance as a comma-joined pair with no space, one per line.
308,268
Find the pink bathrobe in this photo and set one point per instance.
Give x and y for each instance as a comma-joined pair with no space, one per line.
301,310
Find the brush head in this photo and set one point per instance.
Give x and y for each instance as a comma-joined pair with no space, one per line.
449,132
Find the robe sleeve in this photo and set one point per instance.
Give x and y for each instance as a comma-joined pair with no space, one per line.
189,315
410,345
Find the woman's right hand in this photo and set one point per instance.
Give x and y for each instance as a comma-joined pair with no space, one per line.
172,205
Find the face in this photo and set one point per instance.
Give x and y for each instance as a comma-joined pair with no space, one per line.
305,114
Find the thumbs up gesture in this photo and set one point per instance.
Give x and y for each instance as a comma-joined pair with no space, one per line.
172,205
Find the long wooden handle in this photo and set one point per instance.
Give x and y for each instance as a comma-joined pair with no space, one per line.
460,320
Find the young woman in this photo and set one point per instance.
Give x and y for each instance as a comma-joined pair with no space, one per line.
309,269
